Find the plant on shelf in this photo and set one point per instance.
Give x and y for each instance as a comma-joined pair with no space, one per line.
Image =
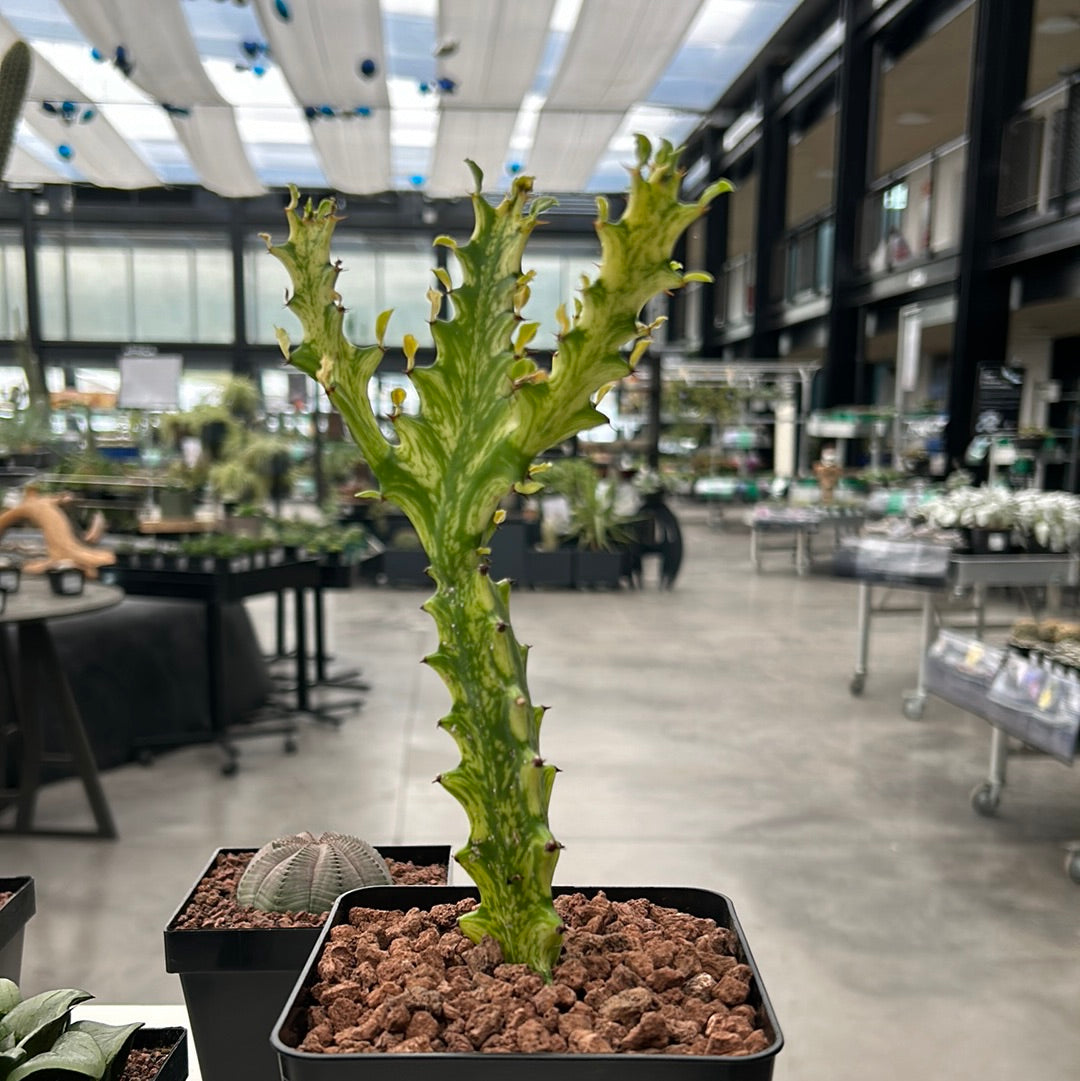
39,1039
594,524
486,410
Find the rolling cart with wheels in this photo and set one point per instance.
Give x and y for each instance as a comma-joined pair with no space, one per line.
1041,713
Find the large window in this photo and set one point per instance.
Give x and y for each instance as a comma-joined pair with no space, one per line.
134,287
376,275
13,285
924,95
1055,44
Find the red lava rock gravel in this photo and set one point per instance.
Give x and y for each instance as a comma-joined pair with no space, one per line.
144,1065
213,904
633,977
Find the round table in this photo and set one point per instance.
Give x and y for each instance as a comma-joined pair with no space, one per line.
34,678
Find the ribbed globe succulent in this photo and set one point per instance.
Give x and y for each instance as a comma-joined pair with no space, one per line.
304,873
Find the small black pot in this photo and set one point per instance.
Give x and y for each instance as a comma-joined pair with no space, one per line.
593,569
10,577
13,919
453,1066
175,1067
66,581
236,981
986,542
550,568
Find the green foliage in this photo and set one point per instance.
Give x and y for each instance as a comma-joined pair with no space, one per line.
593,521
38,1039
241,399
303,873
26,430
486,411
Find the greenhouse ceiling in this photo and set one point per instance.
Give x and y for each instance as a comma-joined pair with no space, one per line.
362,96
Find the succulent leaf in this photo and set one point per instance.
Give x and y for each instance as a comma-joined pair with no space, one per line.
485,413
302,873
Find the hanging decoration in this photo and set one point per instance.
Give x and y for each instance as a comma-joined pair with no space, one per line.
328,112
255,58
120,60
367,67
70,112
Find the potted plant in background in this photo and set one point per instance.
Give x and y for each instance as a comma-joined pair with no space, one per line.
242,935
39,1039
486,411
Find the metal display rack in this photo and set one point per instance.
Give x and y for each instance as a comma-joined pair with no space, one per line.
935,573
792,529
1021,698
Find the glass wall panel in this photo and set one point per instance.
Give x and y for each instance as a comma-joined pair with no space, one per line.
810,171
266,282
213,295
13,283
402,280
52,292
99,293
357,286
164,301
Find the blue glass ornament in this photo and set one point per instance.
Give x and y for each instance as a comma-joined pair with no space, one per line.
425,88
48,107
65,152
282,9
448,86
88,114
363,110
368,67
251,48
258,71
326,110
68,107
95,54
513,167
310,112
416,180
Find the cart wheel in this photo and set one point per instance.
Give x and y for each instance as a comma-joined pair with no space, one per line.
914,705
986,798
290,745
1072,865
230,768
144,756
858,683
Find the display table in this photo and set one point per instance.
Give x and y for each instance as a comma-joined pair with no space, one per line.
934,572
35,678
215,589
791,530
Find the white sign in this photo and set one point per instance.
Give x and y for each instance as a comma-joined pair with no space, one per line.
150,382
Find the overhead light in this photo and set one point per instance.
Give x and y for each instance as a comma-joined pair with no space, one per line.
913,119
1055,25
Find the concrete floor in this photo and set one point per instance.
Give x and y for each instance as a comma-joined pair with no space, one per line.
707,738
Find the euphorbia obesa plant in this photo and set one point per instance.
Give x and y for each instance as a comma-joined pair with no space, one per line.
486,411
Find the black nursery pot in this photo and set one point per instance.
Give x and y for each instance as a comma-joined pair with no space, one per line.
13,919
66,581
452,1066
235,980
175,1066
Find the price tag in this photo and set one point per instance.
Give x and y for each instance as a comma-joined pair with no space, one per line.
974,654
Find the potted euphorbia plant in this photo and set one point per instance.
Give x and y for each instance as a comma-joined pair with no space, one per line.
402,994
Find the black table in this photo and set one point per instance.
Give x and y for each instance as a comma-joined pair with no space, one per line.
215,588
34,677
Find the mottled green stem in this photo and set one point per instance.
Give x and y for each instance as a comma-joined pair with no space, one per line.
486,411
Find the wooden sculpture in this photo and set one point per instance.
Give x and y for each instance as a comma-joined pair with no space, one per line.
61,544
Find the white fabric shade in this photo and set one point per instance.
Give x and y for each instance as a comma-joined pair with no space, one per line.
355,153
481,136
567,146
618,49
24,169
319,50
168,69
99,152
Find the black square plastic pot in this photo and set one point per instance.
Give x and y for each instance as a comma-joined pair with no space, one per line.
454,1066
235,980
593,569
66,581
13,919
175,1066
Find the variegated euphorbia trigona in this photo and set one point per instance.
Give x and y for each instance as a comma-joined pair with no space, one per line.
486,411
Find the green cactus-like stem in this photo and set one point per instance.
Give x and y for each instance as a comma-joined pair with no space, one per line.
486,411
14,78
